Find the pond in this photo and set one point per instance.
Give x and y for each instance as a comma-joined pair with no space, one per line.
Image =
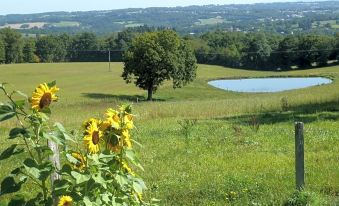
268,84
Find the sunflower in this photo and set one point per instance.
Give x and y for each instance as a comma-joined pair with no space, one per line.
43,96
88,122
65,201
128,121
114,143
81,164
92,137
113,118
126,138
126,168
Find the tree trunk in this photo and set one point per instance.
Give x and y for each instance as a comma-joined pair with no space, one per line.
150,94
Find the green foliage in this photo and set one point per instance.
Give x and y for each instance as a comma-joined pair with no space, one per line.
2,51
304,198
13,45
155,57
50,49
29,50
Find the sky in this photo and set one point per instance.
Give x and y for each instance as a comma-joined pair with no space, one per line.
39,6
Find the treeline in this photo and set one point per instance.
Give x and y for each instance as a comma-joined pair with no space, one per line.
265,51
234,49
61,48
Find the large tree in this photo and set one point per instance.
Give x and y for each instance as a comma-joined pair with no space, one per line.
50,49
13,45
29,51
2,51
154,57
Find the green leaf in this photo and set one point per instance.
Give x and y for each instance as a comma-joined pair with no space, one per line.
72,159
17,132
61,132
98,179
51,84
32,167
17,200
9,185
45,169
22,94
52,137
7,111
66,169
20,103
122,180
12,150
46,110
80,178
87,201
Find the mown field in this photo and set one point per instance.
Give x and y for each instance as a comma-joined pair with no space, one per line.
239,151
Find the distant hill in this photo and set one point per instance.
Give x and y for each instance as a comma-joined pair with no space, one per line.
285,18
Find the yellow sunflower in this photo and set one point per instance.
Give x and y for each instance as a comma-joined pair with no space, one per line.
126,168
126,138
88,122
128,121
81,161
65,201
43,96
92,137
113,118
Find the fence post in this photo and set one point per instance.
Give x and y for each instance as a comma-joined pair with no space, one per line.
55,159
109,60
299,155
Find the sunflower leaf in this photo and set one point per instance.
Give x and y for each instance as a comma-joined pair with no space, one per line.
17,132
52,137
21,94
9,185
80,178
12,150
51,84
7,111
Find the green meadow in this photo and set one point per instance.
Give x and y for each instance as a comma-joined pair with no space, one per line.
202,145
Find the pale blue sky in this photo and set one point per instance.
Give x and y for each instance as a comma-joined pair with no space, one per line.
37,6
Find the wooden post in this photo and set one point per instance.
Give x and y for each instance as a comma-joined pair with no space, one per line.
109,60
55,159
299,155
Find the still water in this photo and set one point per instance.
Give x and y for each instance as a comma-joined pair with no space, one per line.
268,84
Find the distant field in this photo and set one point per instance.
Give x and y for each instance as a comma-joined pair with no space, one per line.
210,21
66,24
239,152
333,24
28,25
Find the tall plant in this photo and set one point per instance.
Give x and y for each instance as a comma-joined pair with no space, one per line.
99,173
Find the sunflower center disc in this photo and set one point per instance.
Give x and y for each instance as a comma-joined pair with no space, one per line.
95,137
45,100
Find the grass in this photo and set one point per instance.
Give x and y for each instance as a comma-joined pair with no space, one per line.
66,24
210,21
240,150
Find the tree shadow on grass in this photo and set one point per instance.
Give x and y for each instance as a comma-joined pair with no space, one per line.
129,98
304,113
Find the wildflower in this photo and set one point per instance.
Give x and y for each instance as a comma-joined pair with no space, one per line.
43,96
92,137
65,201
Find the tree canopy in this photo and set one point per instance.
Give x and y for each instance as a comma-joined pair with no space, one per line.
154,57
